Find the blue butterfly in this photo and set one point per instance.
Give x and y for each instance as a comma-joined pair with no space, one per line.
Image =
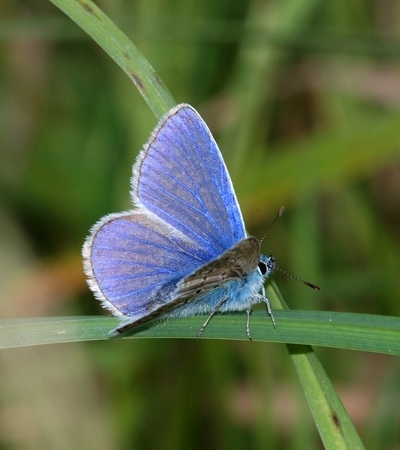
183,250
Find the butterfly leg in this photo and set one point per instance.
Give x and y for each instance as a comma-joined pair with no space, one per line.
269,310
210,317
267,304
264,299
248,312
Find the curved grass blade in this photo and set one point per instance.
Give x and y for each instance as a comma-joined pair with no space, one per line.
331,418
117,45
341,330
333,422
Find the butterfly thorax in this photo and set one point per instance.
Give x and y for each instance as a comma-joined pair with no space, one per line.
231,282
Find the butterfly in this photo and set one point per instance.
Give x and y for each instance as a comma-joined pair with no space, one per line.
183,249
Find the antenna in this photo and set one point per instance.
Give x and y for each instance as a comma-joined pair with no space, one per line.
307,283
278,216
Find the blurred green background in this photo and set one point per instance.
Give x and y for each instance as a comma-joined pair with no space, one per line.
303,98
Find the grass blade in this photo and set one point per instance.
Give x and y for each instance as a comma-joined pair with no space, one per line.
117,45
341,330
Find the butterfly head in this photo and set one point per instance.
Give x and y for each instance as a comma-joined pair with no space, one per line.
266,265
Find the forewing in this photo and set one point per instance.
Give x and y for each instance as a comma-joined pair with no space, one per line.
181,177
133,262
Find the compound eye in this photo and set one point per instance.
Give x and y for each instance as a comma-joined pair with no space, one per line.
262,267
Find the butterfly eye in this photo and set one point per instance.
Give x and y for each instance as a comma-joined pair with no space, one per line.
262,267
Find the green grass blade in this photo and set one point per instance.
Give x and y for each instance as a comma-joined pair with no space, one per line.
342,330
117,45
334,425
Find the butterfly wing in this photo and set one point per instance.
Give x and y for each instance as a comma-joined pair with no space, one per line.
186,215
134,262
237,262
180,177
